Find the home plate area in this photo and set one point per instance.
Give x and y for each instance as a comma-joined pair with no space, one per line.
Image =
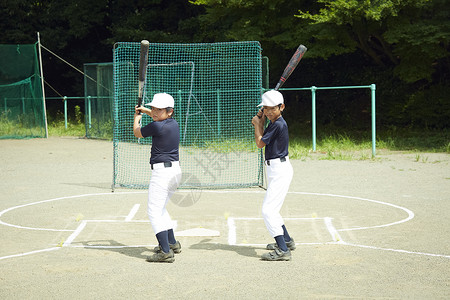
239,231
91,233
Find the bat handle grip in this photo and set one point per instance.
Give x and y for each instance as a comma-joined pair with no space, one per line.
262,110
139,105
278,86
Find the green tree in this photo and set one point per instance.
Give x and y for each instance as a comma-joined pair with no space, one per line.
156,20
410,35
267,21
271,22
401,45
84,31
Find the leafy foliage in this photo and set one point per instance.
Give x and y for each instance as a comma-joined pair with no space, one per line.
411,35
401,45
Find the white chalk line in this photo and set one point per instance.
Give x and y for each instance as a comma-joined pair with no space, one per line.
31,252
232,226
50,200
232,235
189,232
238,245
231,231
132,213
337,239
352,245
75,234
263,246
112,247
50,229
409,212
333,232
395,250
289,218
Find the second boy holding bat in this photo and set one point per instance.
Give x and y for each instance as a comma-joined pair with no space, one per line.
275,139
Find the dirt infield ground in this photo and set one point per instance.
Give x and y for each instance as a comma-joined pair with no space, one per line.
364,229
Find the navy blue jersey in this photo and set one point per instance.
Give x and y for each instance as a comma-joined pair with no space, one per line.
276,138
165,140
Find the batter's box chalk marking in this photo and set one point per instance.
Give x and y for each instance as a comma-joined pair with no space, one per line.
232,235
132,213
332,230
193,232
75,234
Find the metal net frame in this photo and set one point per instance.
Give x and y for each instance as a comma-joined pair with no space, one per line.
216,87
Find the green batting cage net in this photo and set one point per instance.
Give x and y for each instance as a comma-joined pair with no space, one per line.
216,88
98,95
21,101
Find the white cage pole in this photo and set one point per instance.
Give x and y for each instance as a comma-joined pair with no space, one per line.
42,83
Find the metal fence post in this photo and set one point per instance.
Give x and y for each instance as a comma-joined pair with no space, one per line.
65,111
313,100
374,136
89,111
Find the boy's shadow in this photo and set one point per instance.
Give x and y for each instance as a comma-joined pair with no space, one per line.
138,252
114,246
206,245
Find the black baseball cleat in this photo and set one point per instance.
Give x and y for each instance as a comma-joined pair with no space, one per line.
277,255
175,247
162,257
291,245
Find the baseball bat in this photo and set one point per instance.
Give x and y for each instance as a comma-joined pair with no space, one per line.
143,62
292,64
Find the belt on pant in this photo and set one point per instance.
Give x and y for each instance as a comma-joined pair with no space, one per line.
281,159
166,164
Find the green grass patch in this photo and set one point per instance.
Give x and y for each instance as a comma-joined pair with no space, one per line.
329,146
357,145
57,128
19,127
331,143
338,147
434,141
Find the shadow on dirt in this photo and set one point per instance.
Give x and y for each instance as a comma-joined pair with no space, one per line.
140,252
206,245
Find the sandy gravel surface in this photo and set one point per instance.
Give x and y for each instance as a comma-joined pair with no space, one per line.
390,218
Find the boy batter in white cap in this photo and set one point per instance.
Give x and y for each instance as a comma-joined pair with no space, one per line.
166,174
279,172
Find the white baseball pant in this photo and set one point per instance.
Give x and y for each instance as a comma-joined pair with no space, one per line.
279,177
163,183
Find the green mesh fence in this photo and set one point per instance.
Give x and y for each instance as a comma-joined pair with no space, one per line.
98,93
265,72
21,101
216,88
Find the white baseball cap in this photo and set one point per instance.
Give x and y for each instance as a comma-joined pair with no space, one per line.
271,98
162,100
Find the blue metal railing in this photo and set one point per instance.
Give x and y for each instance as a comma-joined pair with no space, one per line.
313,90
